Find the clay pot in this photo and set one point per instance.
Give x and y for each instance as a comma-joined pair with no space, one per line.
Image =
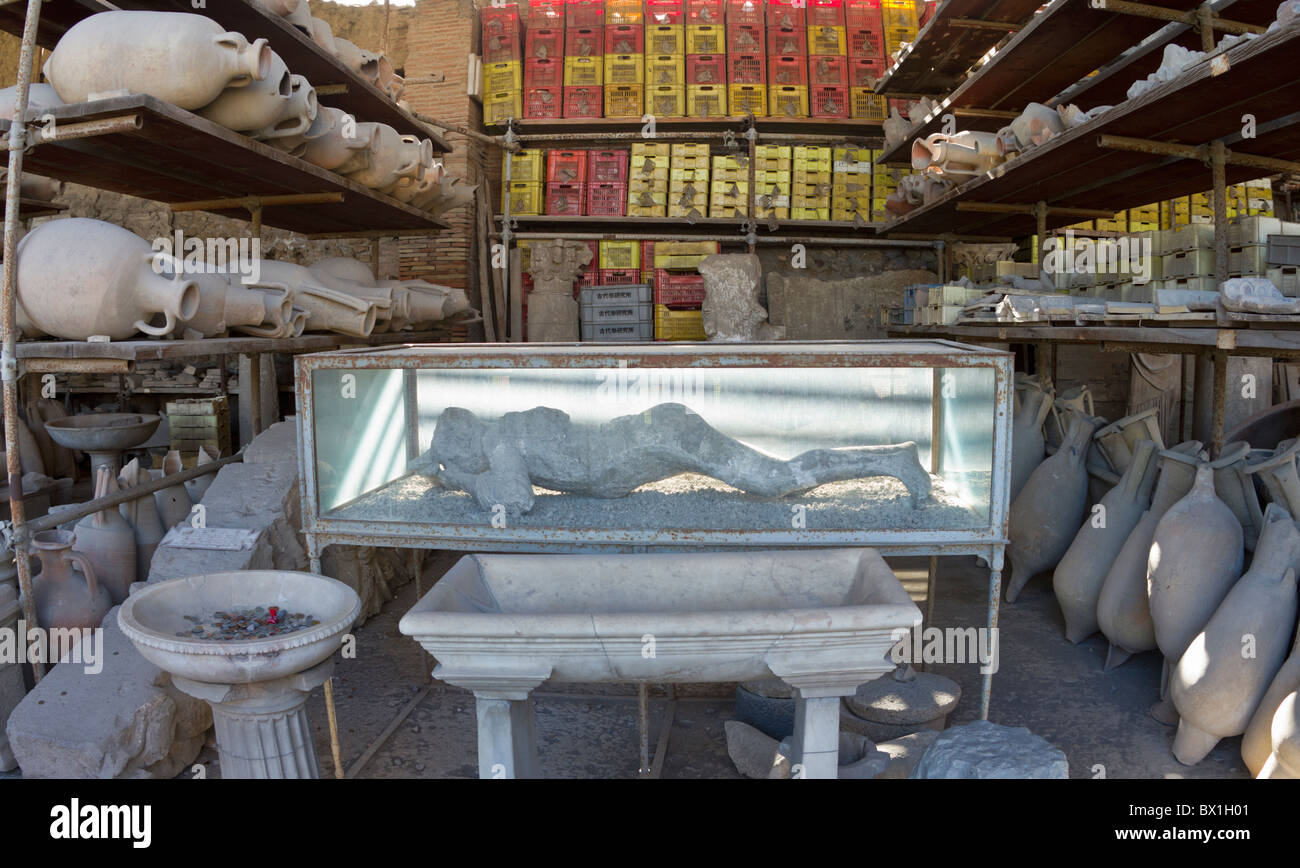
1284,762
30,459
1076,400
1215,686
226,304
1118,439
335,141
327,309
343,268
1235,486
67,592
300,16
79,277
348,53
184,59
1123,610
1080,575
283,8
253,106
396,156
173,501
41,97
1027,442
108,543
1196,556
1280,475
277,312
322,34
958,157
142,515
1043,519
1257,741
1036,124
198,486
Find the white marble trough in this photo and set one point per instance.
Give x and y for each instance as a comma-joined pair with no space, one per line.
257,687
821,620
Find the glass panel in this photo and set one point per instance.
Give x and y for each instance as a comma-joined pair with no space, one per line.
640,449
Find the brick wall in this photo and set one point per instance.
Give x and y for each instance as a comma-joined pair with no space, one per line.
442,34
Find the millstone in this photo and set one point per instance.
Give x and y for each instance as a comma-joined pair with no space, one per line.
922,699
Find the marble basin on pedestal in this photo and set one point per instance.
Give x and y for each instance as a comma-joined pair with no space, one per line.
256,687
821,620
105,436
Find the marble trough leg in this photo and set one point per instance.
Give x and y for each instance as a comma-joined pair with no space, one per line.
816,738
507,736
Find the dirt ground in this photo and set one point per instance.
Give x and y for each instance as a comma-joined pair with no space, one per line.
1057,690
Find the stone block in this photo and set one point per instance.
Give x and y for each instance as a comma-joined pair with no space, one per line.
983,750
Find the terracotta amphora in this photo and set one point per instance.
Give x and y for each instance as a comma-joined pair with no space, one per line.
79,277
108,542
1043,519
1027,442
1123,610
1257,741
184,59
1080,575
1284,762
1235,486
174,503
67,592
1216,686
142,515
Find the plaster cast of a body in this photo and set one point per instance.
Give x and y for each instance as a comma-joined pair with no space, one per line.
499,461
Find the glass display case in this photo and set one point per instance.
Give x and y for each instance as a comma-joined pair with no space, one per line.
903,445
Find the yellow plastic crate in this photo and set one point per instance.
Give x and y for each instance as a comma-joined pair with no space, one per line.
624,101
706,39
826,40
773,205
748,99
501,107
624,69
851,161
730,168
813,158
706,100
688,155
852,210
678,325
898,13
525,198
506,75
772,158
647,158
666,39
850,187
810,213
678,176
729,199
620,254
682,254
767,177
787,101
623,12
644,201
814,196
584,71
866,105
665,69
527,166
896,36
682,201
666,100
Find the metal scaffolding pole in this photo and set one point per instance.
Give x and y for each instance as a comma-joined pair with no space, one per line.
8,354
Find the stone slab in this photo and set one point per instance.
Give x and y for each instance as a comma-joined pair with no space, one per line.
984,750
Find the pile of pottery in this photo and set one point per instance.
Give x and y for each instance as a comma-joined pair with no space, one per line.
78,278
192,62
1157,564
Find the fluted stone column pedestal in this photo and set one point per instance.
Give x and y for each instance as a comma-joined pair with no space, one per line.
262,727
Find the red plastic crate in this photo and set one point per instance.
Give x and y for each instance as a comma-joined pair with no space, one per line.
619,276
828,102
866,45
746,69
543,102
745,13
706,69
863,73
704,12
647,257
544,73
545,13
584,42
566,167
502,47
787,70
927,12
825,13
588,277
607,167
544,43
786,13
828,69
863,15
500,19
607,200
584,101
624,39
565,199
659,12
680,289
787,41
744,39
584,13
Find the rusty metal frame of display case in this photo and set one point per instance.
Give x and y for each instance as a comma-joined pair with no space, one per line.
988,542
